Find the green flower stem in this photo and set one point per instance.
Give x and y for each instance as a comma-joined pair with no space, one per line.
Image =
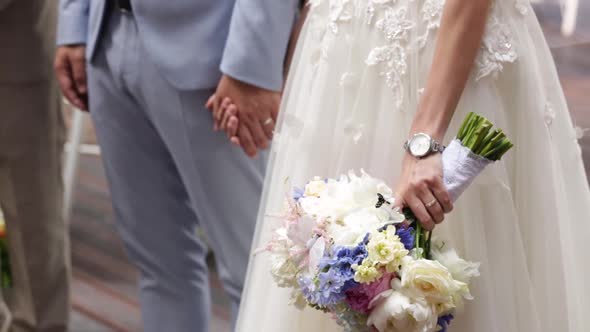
422,238
477,135
417,241
5,271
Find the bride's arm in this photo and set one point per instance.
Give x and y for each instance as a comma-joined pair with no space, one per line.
459,37
461,30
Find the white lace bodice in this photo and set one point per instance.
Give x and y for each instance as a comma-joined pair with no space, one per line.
405,27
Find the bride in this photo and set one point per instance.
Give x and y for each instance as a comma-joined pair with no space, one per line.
367,76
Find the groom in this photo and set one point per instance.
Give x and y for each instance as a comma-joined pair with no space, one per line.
144,69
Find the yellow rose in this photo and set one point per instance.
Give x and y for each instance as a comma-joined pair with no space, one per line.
432,281
315,187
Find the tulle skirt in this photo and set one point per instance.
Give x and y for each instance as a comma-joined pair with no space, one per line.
351,97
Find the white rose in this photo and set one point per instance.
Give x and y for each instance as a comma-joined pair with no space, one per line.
395,312
460,269
432,281
354,227
315,187
311,206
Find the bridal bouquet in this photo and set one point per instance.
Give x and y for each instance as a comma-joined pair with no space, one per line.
344,250
5,272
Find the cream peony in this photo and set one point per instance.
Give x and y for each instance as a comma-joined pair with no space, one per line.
460,269
353,228
395,312
350,193
432,281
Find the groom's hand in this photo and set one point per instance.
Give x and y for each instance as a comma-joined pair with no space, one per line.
70,70
257,111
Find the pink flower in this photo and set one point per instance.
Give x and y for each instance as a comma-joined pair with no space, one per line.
359,297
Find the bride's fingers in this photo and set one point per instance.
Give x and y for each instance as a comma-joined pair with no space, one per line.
215,122
442,195
236,141
220,111
232,126
419,210
232,110
432,206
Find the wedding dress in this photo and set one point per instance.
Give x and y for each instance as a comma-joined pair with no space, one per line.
357,75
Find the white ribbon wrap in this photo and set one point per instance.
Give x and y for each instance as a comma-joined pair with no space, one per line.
460,168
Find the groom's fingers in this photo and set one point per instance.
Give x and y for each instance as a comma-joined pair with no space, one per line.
209,104
256,130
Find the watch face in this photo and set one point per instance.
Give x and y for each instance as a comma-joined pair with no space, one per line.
420,145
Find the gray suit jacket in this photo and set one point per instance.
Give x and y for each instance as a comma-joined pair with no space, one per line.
27,34
193,41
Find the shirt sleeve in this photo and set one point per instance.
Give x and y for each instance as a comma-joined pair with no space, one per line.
73,22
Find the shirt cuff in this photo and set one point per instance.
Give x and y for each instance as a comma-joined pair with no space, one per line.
72,29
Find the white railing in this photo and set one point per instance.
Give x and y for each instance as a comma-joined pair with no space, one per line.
73,149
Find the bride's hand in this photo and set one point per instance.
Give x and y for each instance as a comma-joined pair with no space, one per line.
225,117
421,189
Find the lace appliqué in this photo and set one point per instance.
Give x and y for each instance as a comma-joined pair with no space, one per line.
497,49
340,11
580,132
522,6
392,57
549,114
390,18
431,15
347,79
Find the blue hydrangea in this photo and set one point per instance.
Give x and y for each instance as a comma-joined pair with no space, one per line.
331,288
341,261
309,289
444,321
406,236
298,193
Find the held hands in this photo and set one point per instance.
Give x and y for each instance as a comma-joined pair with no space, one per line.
245,112
421,189
70,70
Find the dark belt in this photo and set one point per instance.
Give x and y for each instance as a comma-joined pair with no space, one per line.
123,5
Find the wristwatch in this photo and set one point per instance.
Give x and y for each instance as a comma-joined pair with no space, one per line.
422,145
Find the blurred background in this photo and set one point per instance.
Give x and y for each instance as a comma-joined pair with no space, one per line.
104,292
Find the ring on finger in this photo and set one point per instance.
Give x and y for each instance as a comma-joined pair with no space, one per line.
268,122
431,203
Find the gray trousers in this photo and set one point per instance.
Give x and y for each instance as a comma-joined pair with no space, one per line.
169,173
